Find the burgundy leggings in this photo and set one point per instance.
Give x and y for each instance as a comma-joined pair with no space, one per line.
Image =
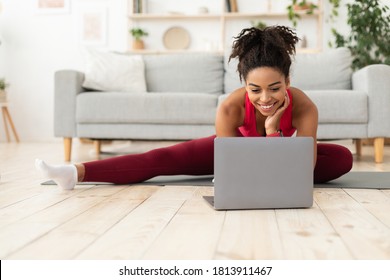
196,157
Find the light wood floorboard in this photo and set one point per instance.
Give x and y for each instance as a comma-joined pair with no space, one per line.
175,222
250,234
192,233
364,235
84,229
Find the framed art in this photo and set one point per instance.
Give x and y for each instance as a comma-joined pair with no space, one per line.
93,26
52,6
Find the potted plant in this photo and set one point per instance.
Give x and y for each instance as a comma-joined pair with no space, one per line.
137,34
3,87
369,38
297,7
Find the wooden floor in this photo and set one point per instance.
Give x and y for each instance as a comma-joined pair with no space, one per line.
174,222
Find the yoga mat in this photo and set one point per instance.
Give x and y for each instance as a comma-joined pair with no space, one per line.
360,180
354,179
183,180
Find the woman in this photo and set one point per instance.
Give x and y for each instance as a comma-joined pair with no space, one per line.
267,106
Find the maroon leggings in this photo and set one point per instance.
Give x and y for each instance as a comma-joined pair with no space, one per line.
196,157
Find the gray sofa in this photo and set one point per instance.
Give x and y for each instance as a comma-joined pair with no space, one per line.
184,91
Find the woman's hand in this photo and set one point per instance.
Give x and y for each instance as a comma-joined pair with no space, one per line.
272,123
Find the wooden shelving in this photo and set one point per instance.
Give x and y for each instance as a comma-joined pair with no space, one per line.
220,23
171,16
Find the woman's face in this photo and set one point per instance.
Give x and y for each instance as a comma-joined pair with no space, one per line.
266,87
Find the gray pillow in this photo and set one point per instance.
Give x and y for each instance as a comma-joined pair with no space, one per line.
184,73
326,70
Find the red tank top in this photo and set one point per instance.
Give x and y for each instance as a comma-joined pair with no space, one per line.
248,129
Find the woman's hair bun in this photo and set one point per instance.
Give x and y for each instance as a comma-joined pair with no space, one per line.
271,47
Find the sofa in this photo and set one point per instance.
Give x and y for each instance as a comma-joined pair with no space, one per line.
180,93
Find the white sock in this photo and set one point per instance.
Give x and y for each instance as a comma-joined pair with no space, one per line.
64,175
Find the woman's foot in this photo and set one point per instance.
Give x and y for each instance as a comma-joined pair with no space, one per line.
63,175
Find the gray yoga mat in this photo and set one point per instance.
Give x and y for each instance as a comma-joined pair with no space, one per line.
354,179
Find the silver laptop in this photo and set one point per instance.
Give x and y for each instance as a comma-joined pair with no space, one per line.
260,172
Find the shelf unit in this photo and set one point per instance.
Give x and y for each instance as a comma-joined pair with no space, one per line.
220,25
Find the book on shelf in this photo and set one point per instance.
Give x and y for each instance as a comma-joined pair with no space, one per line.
228,7
231,6
139,6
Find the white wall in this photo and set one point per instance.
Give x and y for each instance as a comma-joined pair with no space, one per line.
35,46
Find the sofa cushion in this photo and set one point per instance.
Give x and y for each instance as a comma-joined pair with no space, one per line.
144,131
114,72
156,108
183,73
326,70
336,106
340,106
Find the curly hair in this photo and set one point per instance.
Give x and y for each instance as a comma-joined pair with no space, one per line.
271,47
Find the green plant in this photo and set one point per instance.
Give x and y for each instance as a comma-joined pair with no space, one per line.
334,12
369,39
259,24
138,33
299,5
3,84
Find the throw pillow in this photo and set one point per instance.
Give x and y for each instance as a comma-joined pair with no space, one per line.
114,72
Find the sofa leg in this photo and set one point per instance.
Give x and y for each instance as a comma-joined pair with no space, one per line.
358,145
67,148
379,144
98,146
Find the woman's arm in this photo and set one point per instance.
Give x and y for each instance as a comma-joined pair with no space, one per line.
231,114
305,117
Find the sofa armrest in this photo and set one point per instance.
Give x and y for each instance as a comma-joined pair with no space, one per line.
67,84
375,80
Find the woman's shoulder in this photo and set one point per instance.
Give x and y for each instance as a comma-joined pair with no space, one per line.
234,103
303,106
231,113
296,91
300,98
235,100
237,96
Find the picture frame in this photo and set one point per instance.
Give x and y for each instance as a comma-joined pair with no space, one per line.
93,26
52,6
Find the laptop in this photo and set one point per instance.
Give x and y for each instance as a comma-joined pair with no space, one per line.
261,172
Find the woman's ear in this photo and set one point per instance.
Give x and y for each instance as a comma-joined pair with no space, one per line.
288,82
246,85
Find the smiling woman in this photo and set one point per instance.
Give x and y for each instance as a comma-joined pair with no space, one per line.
266,107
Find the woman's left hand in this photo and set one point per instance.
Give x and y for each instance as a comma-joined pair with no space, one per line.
272,123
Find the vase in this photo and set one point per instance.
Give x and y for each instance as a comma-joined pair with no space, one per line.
304,7
3,96
138,45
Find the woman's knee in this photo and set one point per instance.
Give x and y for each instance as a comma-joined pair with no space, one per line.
344,156
335,153
333,161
